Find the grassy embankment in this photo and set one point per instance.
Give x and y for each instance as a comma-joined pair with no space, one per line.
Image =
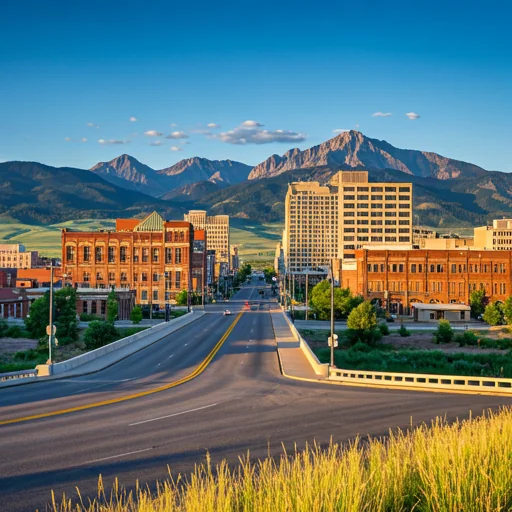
460,466
385,357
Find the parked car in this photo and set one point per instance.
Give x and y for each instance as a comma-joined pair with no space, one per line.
227,312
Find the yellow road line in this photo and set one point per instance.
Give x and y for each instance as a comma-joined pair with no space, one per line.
200,369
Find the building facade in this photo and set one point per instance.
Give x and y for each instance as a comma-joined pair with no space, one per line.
13,303
497,237
15,256
397,279
217,232
152,257
333,221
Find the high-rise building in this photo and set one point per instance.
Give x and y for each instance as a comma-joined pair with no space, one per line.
332,221
497,237
217,232
151,256
15,256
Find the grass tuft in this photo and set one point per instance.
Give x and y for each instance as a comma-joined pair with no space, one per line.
460,466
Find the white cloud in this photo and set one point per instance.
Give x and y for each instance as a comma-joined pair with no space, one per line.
251,124
412,115
173,125
156,143
213,125
83,139
68,139
133,119
250,132
176,148
340,130
382,114
112,141
153,133
177,135
92,125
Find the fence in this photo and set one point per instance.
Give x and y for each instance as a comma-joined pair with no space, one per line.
21,374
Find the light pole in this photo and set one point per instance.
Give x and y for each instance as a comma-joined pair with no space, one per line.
307,284
50,333
332,314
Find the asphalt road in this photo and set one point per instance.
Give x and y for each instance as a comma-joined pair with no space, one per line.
239,403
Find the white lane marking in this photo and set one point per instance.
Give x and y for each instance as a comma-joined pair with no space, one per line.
170,356
120,455
172,415
99,386
186,344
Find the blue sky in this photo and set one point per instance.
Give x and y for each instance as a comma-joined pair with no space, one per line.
81,70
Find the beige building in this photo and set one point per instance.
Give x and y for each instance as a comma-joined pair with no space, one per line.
15,256
497,237
217,232
447,243
333,221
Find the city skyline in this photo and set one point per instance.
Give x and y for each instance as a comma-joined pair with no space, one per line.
171,82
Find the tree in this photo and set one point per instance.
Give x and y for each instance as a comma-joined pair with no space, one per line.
320,301
444,332
99,333
363,317
136,315
65,315
478,301
269,273
37,319
181,298
112,306
493,314
507,311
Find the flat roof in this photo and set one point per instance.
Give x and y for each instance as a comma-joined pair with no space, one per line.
441,307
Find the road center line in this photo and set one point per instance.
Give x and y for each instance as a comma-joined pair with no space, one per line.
120,455
172,415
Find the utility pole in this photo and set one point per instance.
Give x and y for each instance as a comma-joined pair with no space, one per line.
307,304
50,334
332,314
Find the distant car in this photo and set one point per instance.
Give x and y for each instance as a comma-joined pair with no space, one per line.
227,312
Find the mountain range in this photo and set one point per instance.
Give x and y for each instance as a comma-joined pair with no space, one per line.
447,192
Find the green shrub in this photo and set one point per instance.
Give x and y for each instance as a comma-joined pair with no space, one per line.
136,315
384,329
444,332
403,331
129,331
99,334
88,317
26,355
368,336
466,338
4,326
361,347
14,331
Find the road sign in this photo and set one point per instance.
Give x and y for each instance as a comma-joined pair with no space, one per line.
329,340
56,342
48,331
173,302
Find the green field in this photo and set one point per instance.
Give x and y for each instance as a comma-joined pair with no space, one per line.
256,242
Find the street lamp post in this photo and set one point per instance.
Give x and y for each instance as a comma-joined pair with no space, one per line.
332,314
307,285
50,334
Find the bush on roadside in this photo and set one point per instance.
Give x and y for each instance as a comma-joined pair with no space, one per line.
466,338
136,315
384,329
88,317
14,331
403,331
369,336
4,326
99,334
444,332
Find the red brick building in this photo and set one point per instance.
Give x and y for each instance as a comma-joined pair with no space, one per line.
399,278
150,256
13,303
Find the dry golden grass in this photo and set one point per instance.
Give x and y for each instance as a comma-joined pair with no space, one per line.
465,466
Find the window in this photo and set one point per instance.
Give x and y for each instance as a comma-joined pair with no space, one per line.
145,254
178,279
99,254
87,253
123,251
156,254
177,256
168,236
124,277
70,254
440,268
144,276
144,295
413,268
155,294
111,276
135,277
84,306
155,277
111,254
87,277
93,307
432,268
401,267
135,254
168,255
393,267
420,268
99,276
454,268
103,306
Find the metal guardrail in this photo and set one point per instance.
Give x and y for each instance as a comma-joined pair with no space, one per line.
21,374
423,381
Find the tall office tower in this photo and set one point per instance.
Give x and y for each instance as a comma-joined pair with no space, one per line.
217,232
332,221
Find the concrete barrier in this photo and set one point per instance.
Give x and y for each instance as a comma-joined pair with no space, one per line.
425,382
121,348
319,368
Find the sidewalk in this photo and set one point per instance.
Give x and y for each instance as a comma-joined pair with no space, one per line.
293,361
